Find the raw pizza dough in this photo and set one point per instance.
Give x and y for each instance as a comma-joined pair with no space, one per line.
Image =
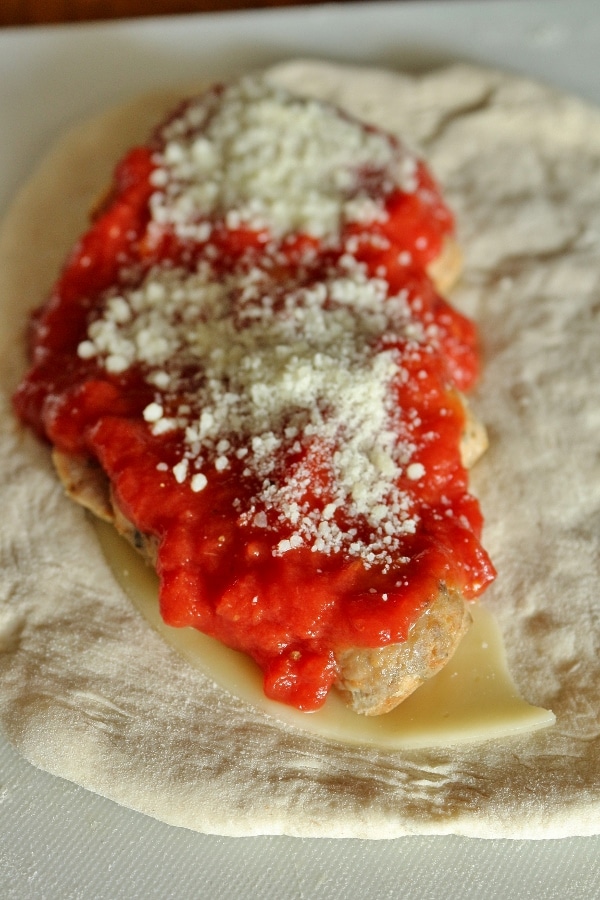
89,692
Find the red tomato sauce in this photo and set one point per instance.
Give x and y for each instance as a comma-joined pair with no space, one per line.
219,570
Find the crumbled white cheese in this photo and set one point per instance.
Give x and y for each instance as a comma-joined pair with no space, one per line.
198,482
180,471
294,375
221,463
267,159
276,385
153,412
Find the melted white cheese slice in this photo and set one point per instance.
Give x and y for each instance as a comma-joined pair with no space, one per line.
472,699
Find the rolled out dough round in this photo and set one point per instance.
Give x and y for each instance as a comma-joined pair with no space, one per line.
89,692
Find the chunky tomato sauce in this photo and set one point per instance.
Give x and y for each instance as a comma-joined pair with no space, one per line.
282,558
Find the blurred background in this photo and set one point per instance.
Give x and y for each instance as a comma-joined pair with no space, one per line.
38,12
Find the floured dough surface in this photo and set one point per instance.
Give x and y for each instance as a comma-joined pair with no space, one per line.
88,691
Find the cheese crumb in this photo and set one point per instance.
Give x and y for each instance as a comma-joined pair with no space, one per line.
180,471
198,482
153,412
265,158
295,373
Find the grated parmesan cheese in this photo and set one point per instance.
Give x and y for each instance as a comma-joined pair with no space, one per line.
294,372
300,375
270,160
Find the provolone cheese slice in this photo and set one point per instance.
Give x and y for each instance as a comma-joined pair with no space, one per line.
472,699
